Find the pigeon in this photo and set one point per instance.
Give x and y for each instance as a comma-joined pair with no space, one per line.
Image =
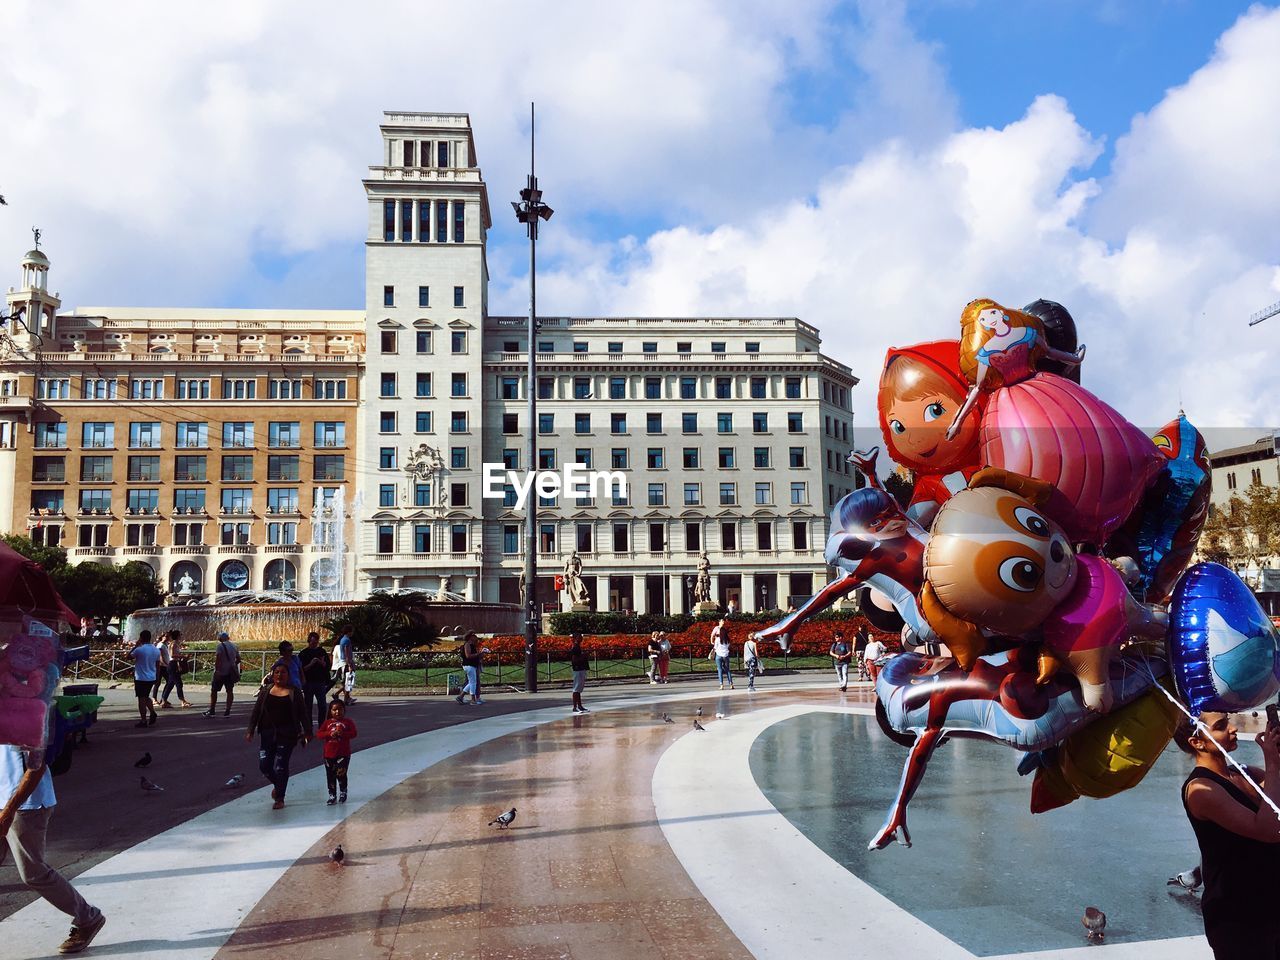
150,787
337,856
666,718
235,781
144,760
504,820
697,725
1187,879
1095,922
722,716
699,711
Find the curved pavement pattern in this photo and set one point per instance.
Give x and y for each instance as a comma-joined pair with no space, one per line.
634,838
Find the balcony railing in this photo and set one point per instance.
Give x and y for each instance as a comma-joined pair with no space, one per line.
237,548
284,548
150,550
91,552
190,550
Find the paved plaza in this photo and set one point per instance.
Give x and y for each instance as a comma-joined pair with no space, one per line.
634,838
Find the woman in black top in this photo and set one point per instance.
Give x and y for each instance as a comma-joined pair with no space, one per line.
1239,837
281,719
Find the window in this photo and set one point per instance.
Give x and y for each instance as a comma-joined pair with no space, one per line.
692,494
188,534
724,423
144,436
689,422
386,458
718,346
51,435
388,340
799,492
757,388
759,423
103,389
649,346
422,495
653,422
458,299
546,346
422,384
692,536
386,538
386,494
728,535
582,456
764,493
579,346
284,433
95,470
546,538
618,458
458,458
424,217
282,533
458,494
329,389
146,389
193,435
459,221
95,501
617,423
282,468
422,421
762,458
724,388
388,296
795,423
442,219
421,538
388,219
621,537
328,467
188,501
330,433
238,433
728,494
797,456
422,340
409,146
684,346
753,346
764,535
238,469
546,386
581,388
653,388
99,435
458,385
583,537
458,421
688,388
387,421
387,385
791,388
510,423
93,535
508,495
282,500
511,458
615,346
237,500
657,538
53,469
728,459
189,469
656,458
235,534
509,388
546,423
621,498
458,340
442,153
617,388
582,423
53,389
239,389
284,389
140,535
546,458
691,458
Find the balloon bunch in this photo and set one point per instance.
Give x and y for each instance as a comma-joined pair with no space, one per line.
1041,563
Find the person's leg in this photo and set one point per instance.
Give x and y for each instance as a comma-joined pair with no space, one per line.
664,665
27,842
342,765
284,750
331,777
177,679
231,695
170,680
266,751
142,690
213,695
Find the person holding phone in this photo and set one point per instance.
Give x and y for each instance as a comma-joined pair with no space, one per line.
1239,836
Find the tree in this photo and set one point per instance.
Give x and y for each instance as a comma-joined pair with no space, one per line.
1246,531
49,558
387,620
94,588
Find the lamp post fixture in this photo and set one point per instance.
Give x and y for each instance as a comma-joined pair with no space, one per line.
764,596
529,210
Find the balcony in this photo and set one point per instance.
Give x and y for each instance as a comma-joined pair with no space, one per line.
190,478
151,550
52,476
190,550
91,552
283,548
241,548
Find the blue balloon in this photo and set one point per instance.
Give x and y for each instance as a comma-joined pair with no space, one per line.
1224,650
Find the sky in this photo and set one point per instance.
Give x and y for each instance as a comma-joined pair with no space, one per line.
869,166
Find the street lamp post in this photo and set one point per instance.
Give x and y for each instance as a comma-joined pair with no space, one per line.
764,596
529,210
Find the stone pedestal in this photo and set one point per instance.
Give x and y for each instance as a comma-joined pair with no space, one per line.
580,608
706,606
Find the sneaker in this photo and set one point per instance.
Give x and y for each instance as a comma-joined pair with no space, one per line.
331,801
152,720
722,686
583,710
476,702
342,798
227,713
208,713
575,710
460,698
81,937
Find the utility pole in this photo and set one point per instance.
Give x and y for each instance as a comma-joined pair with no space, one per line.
529,210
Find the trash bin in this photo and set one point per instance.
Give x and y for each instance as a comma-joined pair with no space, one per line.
80,690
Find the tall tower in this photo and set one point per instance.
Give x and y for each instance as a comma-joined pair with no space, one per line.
426,288
32,308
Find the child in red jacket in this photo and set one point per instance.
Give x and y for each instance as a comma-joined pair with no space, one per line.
337,732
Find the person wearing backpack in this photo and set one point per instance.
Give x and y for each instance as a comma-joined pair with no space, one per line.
226,673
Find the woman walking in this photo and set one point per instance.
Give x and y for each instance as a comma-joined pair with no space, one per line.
174,668
281,719
579,664
162,670
750,660
471,667
720,651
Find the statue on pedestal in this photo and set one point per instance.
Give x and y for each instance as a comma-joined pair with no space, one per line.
702,602
574,586
442,595
186,585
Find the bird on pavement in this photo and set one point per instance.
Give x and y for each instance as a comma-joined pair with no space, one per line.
699,711
504,820
722,716
1095,922
337,856
235,781
666,718
144,760
697,725
1187,879
150,787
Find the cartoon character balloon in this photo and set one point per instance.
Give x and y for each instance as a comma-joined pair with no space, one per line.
920,391
1223,649
1045,426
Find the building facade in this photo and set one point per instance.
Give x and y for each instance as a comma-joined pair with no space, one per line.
227,448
